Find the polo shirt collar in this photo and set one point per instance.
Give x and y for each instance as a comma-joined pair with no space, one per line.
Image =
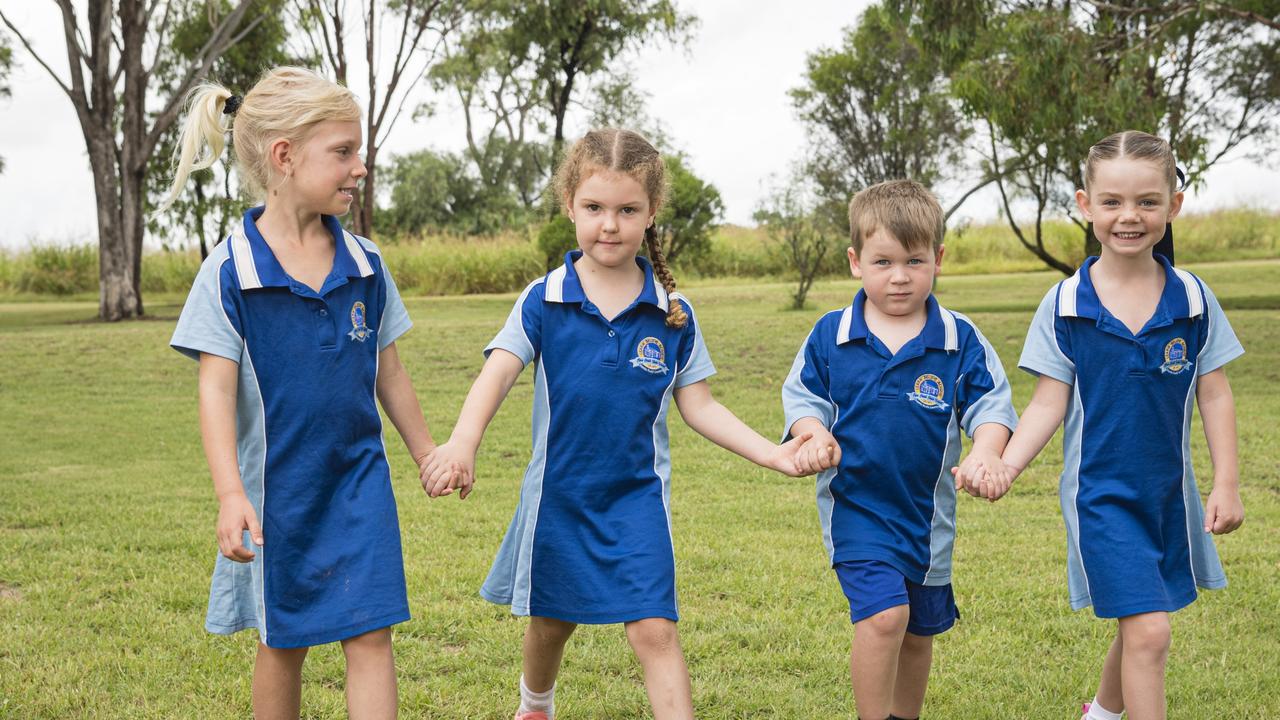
563,285
939,325
256,266
1181,297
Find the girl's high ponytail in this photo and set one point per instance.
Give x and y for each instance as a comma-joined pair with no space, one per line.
203,136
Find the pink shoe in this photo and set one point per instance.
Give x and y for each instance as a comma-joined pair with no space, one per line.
532,715
1085,709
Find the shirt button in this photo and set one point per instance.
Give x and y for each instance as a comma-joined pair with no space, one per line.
610,333
324,313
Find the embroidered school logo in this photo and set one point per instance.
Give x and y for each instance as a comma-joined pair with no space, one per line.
1175,357
929,392
650,356
359,331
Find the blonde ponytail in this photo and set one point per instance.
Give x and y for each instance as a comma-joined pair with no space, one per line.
203,137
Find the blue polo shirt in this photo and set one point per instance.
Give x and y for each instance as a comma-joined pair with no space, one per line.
897,418
591,538
1135,524
308,437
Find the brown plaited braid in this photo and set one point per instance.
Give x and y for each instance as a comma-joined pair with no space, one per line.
626,152
676,316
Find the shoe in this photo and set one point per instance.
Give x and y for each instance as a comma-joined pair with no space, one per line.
532,715
1085,709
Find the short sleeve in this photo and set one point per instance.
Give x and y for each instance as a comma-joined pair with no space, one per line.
984,396
806,392
1041,353
210,322
522,334
1220,345
696,365
395,317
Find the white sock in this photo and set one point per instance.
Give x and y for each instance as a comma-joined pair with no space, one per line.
544,701
1097,712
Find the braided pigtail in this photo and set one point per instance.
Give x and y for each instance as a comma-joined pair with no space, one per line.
676,316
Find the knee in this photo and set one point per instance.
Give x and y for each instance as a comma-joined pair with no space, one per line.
917,644
890,623
1146,635
653,636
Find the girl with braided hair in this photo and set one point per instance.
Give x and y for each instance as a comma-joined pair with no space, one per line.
612,343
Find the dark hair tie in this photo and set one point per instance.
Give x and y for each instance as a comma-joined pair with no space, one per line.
1182,178
233,104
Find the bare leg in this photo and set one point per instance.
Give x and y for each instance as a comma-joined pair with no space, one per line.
1110,690
913,675
277,683
371,676
544,641
873,661
666,678
1146,639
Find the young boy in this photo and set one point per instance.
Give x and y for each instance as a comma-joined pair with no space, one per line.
889,381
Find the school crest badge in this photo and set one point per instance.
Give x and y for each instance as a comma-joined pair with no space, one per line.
650,356
359,330
1175,357
928,393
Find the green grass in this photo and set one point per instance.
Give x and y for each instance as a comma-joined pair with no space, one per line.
106,517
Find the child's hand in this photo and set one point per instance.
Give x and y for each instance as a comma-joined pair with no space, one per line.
1224,512
235,515
818,453
983,474
785,458
447,468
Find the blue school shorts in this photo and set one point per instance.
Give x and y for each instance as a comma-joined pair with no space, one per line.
873,586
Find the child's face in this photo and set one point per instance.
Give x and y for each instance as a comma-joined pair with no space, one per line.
1128,202
327,169
610,212
898,281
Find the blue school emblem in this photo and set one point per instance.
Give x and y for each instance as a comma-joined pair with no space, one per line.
1175,357
929,392
650,356
359,330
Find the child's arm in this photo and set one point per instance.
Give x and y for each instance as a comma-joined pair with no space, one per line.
395,392
452,465
821,452
713,421
218,377
983,473
1224,511
1038,423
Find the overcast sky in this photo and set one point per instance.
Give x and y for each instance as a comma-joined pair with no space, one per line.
723,102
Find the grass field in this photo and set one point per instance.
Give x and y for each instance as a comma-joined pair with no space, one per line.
106,520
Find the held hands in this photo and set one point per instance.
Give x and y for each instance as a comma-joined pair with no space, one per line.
1224,512
447,468
983,474
235,515
805,454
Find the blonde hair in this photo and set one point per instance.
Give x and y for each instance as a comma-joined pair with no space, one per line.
286,102
628,153
1137,145
903,208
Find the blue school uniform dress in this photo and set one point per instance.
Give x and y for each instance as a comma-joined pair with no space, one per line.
1135,526
591,538
308,438
897,418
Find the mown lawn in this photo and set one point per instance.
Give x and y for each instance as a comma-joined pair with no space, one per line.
106,518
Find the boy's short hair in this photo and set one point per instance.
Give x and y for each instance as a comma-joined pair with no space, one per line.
903,208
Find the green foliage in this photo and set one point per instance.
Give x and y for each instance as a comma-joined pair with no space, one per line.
800,234
877,109
555,238
6,66
437,192
693,208
57,270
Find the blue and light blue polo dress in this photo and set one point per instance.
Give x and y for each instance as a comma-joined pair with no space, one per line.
897,418
1135,524
308,438
591,538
